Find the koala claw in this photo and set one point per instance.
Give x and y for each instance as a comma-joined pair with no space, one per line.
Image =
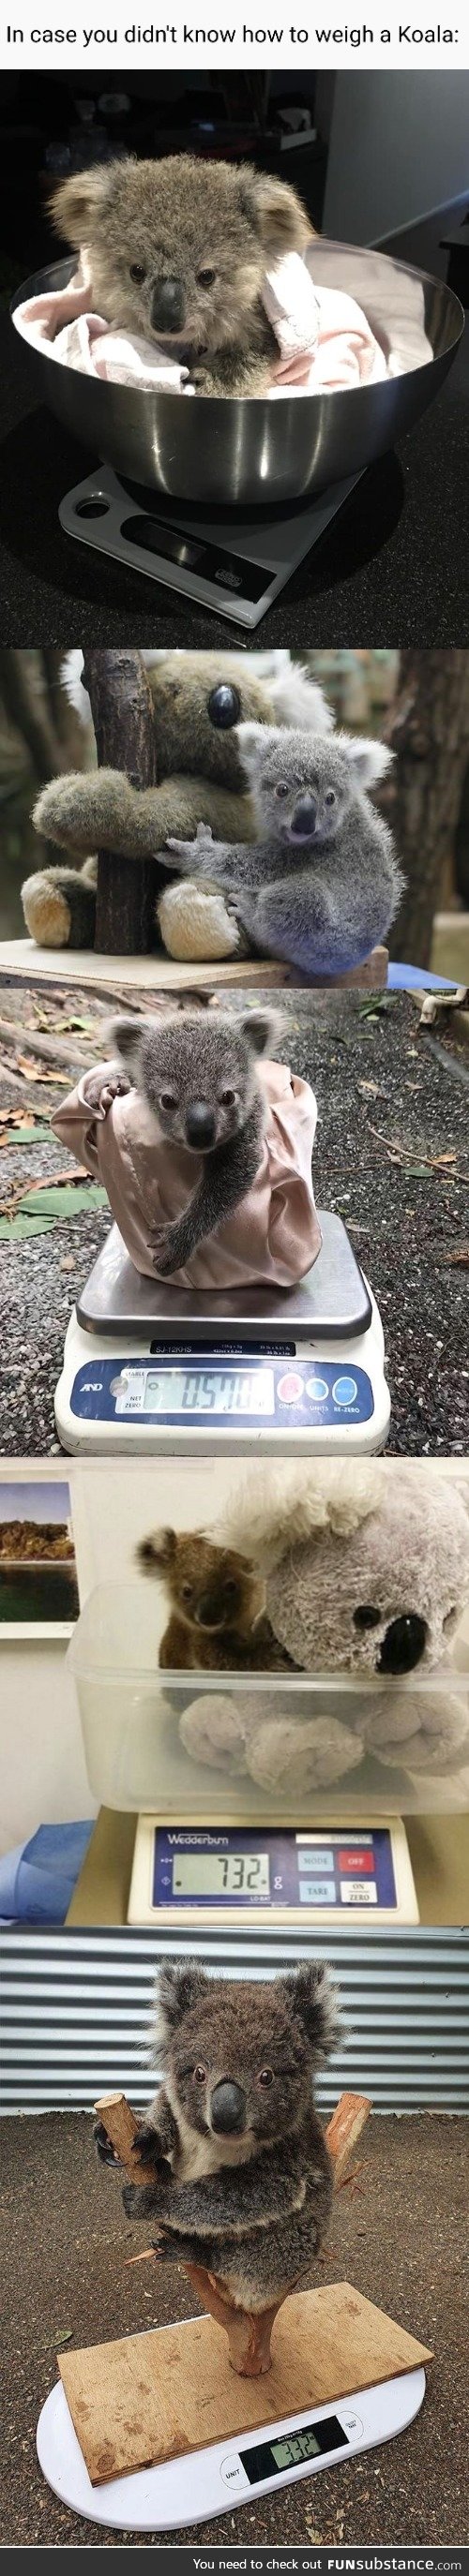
106,2153
100,1095
165,1251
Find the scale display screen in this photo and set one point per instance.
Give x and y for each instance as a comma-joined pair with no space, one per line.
210,1865
211,1390
284,1394
310,2442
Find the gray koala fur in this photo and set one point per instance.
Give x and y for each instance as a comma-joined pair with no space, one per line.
249,2199
177,251
200,1078
321,883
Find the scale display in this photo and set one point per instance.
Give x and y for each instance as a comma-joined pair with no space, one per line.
237,1867
299,1395
309,2442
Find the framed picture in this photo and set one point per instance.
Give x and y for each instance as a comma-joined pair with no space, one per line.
38,1574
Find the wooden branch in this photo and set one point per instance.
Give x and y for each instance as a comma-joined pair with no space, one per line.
248,2331
122,711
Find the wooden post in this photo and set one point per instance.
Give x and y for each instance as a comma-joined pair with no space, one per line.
122,711
248,2331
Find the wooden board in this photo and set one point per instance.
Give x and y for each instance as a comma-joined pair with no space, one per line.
167,975
152,2397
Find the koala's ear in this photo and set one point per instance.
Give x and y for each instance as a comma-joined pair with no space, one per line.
278,214
176,1990
310,1993
77,205
125,1038
157,1550
368,760
253,739
261,1030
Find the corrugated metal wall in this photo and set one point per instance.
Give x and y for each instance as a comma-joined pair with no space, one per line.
76,2007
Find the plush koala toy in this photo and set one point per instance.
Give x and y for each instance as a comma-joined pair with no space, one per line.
176,252
320,884
243,2178
366,1568
199,699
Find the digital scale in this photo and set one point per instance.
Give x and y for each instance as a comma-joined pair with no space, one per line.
234,566
203,1878
153,1367
197,2486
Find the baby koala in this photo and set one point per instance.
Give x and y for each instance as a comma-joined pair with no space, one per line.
321,884
176,252
216,1604
198,1075
242,2174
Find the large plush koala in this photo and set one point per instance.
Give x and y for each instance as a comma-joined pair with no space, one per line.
366,1571
320,884
176,251
243,2178
199,699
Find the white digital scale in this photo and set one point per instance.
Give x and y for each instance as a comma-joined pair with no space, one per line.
201,2484
153,1367
198,1878
234,565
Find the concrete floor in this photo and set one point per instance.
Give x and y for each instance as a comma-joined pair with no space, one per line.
397,2232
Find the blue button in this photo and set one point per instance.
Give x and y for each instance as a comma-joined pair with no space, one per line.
317,1389
345,1390
318,1860
317,1891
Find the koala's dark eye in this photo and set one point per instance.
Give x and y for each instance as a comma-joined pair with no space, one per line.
138,274
330,796
200,2074
206,276
266,2075
227,1098
366,1618
186,1592
224,706
168,1100
230,1588
282,791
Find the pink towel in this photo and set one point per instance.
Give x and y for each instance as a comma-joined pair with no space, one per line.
325,341
273,1236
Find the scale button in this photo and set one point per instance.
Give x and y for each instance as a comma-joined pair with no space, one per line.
345,1390
352,2424
290,1388
317,1389
232,2472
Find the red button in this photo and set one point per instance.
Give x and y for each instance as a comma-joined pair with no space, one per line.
290,1388
351,1862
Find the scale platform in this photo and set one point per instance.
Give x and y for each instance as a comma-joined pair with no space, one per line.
153,1367
207,1878
211,2481
236,567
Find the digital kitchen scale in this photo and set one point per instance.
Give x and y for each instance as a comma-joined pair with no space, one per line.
194,2487
201,1878
153,1367
234,565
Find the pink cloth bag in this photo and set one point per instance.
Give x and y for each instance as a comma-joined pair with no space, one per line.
272,1238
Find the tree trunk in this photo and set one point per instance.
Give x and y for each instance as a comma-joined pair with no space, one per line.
122,712
429,731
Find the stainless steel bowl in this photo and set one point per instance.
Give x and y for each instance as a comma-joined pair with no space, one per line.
260,452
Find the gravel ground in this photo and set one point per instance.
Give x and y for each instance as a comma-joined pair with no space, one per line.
389,1108
64,2276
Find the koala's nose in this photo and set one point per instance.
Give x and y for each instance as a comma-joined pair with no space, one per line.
304,817
228,2108
210,1612
167,305
403,1645
200,1125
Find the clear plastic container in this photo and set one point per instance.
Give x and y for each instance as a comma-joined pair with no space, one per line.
137,1760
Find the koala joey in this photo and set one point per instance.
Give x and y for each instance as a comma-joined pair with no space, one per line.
216,1605
199,1077
242,2175
176,252
321,883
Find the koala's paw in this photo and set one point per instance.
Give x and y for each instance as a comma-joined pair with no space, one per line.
198,923
184,853
46,910
167,1250
101,1093
105,2152
60,804
211,1731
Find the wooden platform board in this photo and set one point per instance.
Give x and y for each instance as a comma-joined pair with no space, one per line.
165,975
153,2397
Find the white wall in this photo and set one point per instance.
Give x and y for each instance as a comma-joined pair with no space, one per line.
399,146
41,1755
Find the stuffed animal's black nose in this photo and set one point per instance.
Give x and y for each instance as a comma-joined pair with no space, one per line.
200,1125
228,2108
403,1645
167,305
304,818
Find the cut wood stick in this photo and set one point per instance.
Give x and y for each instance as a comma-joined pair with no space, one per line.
344,2130
121,2128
